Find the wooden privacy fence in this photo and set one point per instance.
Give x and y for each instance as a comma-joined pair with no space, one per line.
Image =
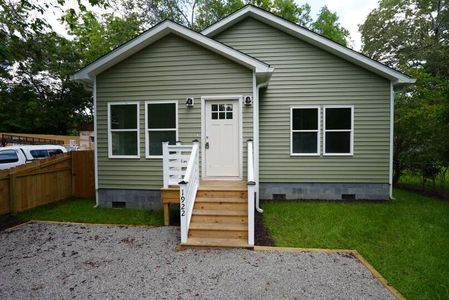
47,180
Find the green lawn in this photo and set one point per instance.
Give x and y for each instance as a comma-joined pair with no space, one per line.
414,180
82,210
406,240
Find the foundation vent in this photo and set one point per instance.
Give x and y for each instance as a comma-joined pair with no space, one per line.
118,204
347,196
279,197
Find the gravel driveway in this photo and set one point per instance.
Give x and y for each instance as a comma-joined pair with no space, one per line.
49,261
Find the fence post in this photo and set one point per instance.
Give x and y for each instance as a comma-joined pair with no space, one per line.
12,193
73,173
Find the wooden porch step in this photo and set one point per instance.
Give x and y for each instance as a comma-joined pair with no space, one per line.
219,219
222,194
215,243
219,212
218,234
222,199
218,227
219,206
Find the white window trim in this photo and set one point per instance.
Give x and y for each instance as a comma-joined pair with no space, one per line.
147,138
351,146
110,130
314,130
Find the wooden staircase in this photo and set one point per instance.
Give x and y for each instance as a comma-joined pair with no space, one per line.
220,216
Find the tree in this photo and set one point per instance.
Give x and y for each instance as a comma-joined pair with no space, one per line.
327,25
412,36
36,93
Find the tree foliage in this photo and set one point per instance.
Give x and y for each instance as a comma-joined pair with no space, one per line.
36,93
412,36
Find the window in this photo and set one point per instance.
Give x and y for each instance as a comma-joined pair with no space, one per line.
41,153
221,111
123,130
338,130
161,126
53,152
8,156
305,128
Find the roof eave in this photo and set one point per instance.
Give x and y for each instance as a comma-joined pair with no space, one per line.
117,55
311,38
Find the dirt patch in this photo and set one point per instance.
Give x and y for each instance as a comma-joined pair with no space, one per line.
7,221
261,235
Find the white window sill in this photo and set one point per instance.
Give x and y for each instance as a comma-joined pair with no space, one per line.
338,154
304,154
124,157
154,157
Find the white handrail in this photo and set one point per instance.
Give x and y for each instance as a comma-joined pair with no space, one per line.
251,193
188,174
175,159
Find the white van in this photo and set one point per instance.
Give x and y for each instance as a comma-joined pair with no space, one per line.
13,156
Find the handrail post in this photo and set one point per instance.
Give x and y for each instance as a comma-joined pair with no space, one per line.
165,164
197,144
251,192
183,211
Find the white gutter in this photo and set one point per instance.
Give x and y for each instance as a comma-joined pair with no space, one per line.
95,142
256,137
391,139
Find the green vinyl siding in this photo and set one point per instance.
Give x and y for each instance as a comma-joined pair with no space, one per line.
170,69
307,75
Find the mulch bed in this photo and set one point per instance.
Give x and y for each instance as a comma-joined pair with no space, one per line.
7,221
261,236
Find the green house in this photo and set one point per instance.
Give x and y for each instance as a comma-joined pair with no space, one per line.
253,107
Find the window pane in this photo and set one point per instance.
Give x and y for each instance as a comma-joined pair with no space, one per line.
8,156
155,139
222,116
214,116
305,142
229,115
162,115
214,107
124,116
124,143
39,153
52,152
338,142
305,119
338,118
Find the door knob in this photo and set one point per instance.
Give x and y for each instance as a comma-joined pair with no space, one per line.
206,145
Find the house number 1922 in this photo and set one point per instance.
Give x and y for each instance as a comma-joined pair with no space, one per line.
183,204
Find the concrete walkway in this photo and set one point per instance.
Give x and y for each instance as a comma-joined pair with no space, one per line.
49,261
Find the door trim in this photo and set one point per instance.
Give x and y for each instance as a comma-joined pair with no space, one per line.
204,99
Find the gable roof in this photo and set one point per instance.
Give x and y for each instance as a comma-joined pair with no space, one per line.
310,37
155,33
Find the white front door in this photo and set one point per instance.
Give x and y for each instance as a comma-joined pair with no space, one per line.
221,148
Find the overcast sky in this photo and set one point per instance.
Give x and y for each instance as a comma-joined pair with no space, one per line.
351,13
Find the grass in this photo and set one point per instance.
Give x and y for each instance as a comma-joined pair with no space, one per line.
415,180
83,211
406,240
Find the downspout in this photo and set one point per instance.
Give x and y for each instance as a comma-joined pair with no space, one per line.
391,138
95,142
256,137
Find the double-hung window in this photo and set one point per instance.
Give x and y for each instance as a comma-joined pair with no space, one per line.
123,130
161,126
338,130
305,129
